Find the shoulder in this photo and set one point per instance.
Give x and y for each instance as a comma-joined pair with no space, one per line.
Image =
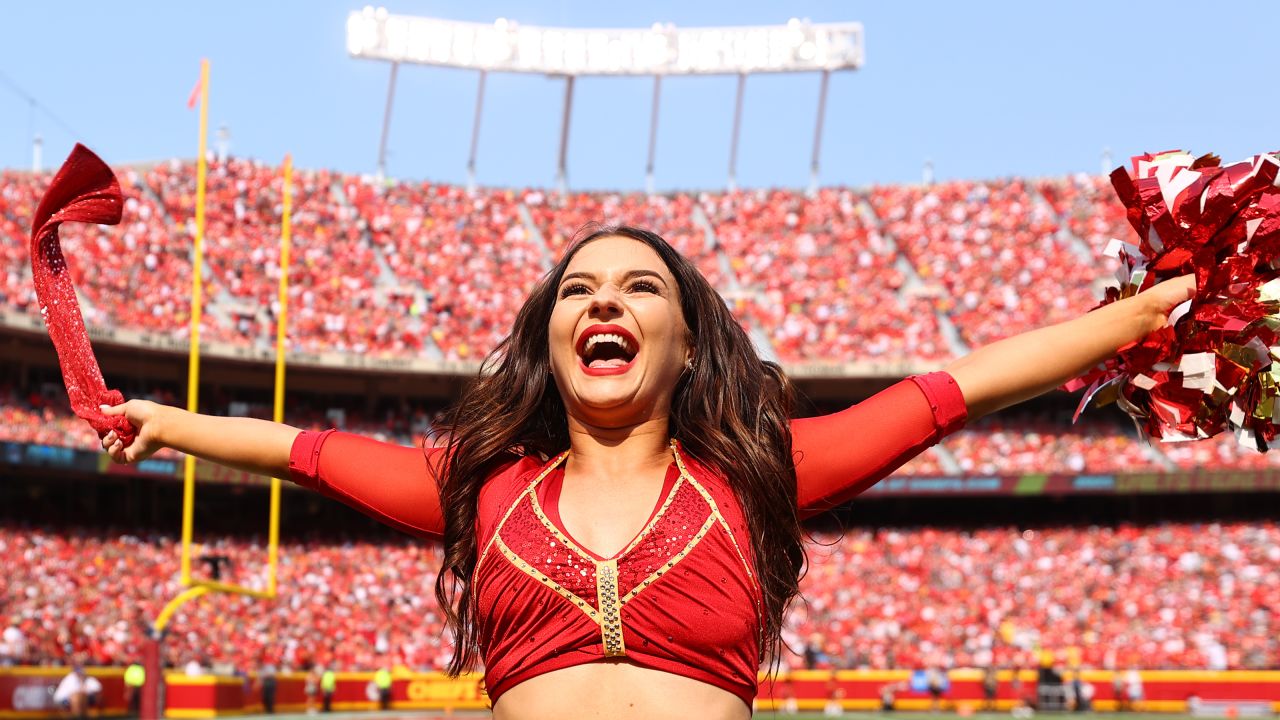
506,481
716,485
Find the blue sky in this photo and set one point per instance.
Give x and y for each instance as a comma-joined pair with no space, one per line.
984,89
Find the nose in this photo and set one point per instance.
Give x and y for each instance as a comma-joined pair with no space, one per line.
606,302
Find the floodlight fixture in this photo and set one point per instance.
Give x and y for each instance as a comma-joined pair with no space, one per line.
659,50
663,49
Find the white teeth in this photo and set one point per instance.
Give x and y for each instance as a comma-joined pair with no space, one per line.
608,337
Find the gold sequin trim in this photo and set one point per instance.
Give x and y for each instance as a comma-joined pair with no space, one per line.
671,496
569,543
610,608
715,514
715,509
534,573
671,563
545,471
551,528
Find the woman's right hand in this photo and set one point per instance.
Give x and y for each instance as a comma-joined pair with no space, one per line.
144,415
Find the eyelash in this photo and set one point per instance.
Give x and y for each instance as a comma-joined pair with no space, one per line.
572,289
575,288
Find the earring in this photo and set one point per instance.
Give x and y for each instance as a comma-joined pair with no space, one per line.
688,363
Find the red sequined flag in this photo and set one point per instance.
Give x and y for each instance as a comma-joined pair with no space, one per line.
1214,366
84,190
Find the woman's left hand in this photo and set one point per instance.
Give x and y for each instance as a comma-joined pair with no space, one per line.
1163,297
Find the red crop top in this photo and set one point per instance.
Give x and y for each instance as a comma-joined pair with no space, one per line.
682,596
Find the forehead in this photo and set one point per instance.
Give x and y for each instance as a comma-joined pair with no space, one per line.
616,254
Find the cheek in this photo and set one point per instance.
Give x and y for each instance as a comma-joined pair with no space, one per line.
674,338
560,327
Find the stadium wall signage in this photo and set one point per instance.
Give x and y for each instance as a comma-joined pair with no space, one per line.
1187,481
33,455
26,692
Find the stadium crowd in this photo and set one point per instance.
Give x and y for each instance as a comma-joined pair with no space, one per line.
388,268
458,266
135,275
987,248
1166,596
1008,444
825,282
1161,596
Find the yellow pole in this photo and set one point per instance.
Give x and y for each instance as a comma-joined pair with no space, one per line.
282,321
163,619
197,302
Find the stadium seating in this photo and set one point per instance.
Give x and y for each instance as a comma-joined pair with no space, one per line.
459,265
1166,596
414,269
405,268
1089,206
987,247
1007,444
133,275
1027,443
333,294
826,284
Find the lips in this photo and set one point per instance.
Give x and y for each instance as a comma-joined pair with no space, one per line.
623,347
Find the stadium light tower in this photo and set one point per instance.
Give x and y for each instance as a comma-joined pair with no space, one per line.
661,50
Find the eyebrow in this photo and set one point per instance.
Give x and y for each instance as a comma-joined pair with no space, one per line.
629,275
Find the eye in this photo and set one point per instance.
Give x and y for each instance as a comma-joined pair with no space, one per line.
644,286
575,288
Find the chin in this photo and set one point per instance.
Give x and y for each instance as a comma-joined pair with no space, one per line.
607,399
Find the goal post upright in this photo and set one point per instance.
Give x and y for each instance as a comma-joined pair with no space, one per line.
798,46
197,307
151,705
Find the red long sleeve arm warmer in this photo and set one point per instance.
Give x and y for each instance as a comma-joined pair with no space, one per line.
842,454
389,483
395,485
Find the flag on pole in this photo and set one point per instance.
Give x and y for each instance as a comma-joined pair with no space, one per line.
194,97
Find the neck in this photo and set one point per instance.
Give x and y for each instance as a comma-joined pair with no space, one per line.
618,452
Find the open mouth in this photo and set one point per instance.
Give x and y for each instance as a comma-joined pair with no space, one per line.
607,350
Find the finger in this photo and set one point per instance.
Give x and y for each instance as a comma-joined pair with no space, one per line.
112,409
116,447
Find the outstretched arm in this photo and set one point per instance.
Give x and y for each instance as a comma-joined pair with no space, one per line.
392,484
256,446
1021,367
840,455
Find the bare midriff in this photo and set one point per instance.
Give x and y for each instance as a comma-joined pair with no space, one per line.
618,690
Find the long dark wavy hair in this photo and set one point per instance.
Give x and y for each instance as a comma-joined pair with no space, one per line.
731,412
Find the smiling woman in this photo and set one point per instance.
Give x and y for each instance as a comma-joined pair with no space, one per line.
621,488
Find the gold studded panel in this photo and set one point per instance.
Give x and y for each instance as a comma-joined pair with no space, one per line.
610,608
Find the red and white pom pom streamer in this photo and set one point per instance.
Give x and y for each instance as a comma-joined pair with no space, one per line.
1212,367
